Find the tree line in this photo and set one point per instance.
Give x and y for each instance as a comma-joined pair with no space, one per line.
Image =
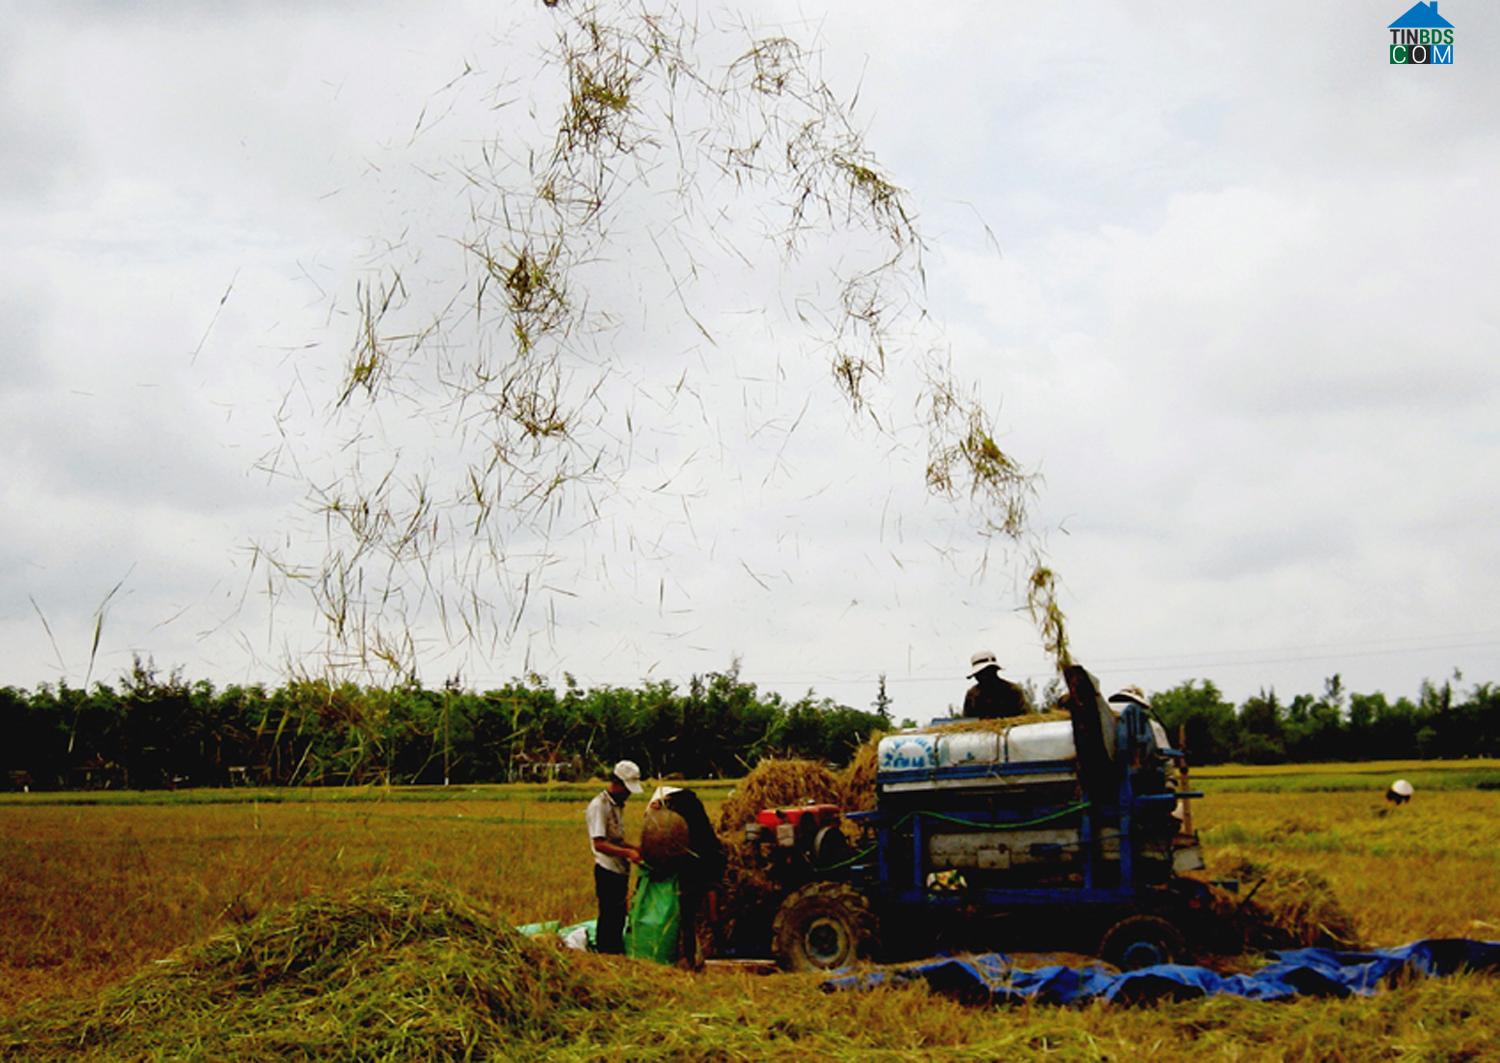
150,730
1443,721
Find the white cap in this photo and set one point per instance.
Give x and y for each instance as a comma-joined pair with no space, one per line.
1401,787
663,792
1131,693
982,660
627,772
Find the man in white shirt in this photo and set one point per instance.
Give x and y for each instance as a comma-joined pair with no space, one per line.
612,857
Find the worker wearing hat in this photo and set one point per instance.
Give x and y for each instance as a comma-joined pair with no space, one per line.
694,854
991,696
612,857
1130,693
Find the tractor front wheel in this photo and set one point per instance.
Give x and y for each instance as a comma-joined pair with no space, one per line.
821,926
1142,941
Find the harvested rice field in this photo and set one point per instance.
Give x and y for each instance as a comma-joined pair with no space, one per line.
374,924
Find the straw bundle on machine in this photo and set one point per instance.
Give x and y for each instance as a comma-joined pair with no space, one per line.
777,784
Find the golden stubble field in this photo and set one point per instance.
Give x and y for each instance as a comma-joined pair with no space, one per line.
91,893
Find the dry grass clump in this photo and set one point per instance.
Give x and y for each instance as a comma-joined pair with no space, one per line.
777,784
1003,724
392,970
1280,906
858,778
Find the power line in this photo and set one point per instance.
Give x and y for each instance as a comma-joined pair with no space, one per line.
1166,663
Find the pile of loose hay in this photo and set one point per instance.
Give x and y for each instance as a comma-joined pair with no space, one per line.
389,971
857,781
1280,906
1002,724
776,784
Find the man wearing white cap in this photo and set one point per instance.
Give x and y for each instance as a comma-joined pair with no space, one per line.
991,696
612,857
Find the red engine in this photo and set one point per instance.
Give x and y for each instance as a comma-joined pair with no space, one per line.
822,815
795,829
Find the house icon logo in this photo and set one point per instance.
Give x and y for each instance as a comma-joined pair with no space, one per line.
1421,37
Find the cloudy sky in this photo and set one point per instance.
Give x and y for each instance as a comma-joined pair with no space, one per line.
1225,277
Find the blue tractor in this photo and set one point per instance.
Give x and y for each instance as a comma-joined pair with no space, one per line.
1055,835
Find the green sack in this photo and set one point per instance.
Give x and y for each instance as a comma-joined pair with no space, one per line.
655,917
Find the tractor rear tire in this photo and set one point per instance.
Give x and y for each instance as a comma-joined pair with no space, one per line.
822,926
1142,941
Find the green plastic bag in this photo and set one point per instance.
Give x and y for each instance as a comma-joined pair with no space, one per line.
532,930
655,917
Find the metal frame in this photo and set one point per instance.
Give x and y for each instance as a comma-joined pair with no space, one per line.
1133,735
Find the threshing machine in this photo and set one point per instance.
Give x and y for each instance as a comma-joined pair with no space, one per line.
1063,834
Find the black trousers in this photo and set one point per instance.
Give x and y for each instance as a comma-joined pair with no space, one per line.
690,902
610,887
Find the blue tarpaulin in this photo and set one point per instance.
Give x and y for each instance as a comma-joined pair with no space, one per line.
991,978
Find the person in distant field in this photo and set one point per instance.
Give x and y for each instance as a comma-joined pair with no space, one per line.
991,696
612,857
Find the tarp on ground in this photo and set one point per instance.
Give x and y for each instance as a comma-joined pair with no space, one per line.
991,978
579,936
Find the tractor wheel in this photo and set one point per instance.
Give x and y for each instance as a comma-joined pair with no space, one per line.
821,926
1140,941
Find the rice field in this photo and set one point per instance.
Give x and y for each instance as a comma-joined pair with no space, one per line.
96,889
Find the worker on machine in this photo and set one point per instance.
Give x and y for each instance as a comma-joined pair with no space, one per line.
1172,776
612,857
1118,700
991,696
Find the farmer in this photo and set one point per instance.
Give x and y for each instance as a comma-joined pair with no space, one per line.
698,862
991,696
606,822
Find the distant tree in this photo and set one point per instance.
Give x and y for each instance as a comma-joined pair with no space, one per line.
882,703
1435,704
1314,727
1262,730
1212,732
1361,723
1481,720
